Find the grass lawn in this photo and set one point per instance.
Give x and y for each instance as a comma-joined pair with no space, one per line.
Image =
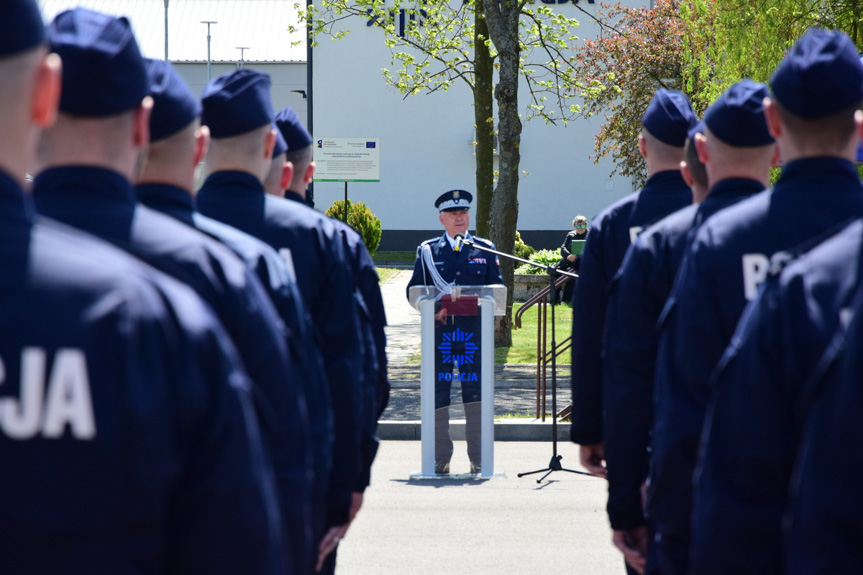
511,416
395,256
523,348
386,273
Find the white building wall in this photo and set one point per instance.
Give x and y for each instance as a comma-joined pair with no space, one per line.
286,77
425,144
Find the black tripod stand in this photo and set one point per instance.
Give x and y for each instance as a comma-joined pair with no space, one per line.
554,464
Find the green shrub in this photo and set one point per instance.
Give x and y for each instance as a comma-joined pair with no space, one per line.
521,249
544,257
361,218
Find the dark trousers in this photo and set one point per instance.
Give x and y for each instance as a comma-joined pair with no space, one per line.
670,555
457,358
567,288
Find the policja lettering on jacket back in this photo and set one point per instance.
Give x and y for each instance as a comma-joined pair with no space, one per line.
48,401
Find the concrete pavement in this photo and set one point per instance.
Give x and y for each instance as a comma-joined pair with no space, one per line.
403,321
501,526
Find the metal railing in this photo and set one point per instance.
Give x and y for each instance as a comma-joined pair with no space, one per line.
544,355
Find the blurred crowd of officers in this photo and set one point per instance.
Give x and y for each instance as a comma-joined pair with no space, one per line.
717,332
190,380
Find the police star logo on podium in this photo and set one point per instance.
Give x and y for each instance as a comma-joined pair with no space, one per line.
458,349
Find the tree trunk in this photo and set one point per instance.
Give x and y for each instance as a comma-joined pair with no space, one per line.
483,106
502,17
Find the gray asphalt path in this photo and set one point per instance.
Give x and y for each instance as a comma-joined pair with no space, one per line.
403,321
504,525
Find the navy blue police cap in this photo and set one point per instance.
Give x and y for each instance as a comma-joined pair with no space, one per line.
292,129
669,117
174,104
236,103
21,26
737,116
819,76
103,71
281,145
454,201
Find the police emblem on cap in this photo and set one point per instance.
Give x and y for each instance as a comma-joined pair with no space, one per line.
454,200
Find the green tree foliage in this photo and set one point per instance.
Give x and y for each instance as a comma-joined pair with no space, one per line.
727,40
437,48
700,47
638,52
361,218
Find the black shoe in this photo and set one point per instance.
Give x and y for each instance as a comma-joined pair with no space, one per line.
441,467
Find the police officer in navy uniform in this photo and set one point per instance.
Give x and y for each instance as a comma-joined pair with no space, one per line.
177,143
783,359
645,277
456,264
233,193
811,114
773,372
666,122
738,151
297,174
87,160
122,405
292,171
822,523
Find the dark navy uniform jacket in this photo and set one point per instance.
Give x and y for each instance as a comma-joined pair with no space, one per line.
610,235
326,284
763,393
636,298
280,284
103,203
823,526
126,425
373,320
729,257
469,267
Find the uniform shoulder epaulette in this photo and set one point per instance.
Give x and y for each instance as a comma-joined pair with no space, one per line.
427,242
482,241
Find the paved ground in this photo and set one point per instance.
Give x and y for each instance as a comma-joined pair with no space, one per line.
403,329
500,526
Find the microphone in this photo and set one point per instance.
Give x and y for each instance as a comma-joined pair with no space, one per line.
459,238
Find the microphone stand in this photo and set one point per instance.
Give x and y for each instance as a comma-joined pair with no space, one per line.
554,464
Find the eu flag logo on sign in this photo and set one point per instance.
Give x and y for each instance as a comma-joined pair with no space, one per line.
370,144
